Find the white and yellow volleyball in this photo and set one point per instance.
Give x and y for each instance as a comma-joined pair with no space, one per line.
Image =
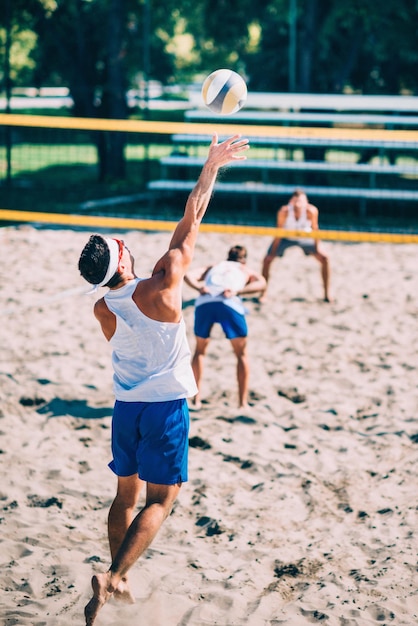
224,92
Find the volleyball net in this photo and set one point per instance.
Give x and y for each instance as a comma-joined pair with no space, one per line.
51,166
120,223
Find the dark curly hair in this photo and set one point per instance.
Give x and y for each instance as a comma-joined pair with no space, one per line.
94,261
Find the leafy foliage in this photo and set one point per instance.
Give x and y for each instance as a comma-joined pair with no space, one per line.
101,48
340,45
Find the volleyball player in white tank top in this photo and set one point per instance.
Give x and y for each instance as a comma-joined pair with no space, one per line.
300,215
150,422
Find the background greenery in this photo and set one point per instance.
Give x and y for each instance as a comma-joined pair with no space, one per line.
102,49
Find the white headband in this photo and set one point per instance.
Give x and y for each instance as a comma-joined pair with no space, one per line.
113,246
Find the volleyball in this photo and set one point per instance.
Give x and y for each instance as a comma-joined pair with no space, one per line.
224,92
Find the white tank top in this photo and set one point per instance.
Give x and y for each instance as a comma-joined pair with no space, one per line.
151,359
225,275
302,223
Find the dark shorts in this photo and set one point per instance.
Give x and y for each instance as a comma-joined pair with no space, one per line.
151,439
308,248
206,315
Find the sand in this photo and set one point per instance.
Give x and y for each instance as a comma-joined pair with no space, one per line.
300,510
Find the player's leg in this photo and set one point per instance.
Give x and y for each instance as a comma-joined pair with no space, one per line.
197,366
142,531
120,517
144,527
323,259
124,464
239,345
204,318
234,325
122,510
268,260
162,459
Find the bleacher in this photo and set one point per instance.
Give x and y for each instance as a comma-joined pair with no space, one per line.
365,167
310,118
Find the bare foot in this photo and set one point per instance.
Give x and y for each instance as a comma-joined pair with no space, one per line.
100,585
123,593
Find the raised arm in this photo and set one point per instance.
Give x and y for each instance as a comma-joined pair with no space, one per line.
181,248
313,216
313,213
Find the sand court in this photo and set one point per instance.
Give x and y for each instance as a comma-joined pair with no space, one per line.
298,511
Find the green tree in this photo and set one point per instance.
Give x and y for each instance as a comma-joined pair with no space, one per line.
96,48
222,32
370,47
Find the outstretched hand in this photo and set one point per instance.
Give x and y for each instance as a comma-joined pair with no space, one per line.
229,150
184,236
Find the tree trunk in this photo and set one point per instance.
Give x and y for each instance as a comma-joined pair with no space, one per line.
81,81
308,35
111,145
351,58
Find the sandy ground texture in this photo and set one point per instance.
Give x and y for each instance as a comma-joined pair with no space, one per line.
300,510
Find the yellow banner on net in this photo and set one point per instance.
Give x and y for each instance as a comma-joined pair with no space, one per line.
196,128
122,223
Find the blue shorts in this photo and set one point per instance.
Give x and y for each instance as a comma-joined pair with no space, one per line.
308,248
206,315
151,439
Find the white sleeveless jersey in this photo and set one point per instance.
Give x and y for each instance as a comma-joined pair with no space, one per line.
303,223
225,275
151,359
